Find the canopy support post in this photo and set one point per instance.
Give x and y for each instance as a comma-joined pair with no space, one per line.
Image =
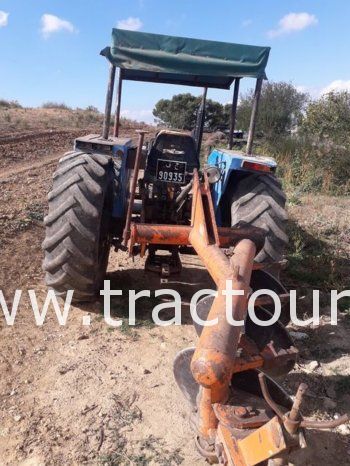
118,103
200,121
254,115
233,112
108,107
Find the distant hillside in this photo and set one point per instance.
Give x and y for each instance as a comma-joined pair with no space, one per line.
51,116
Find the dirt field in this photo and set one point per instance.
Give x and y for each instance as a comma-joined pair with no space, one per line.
96,395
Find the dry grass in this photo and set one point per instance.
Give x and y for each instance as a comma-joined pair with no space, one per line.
39,119
54,116
308,167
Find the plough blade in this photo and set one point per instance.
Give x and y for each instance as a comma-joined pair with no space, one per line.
184,377
272,343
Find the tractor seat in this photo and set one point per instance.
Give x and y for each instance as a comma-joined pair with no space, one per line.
171,145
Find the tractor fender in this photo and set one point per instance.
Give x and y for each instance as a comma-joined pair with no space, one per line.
123,154
232,162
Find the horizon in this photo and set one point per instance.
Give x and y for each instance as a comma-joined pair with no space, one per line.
62,47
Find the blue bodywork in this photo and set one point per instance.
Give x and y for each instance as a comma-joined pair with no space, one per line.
228,161
123,151
120,149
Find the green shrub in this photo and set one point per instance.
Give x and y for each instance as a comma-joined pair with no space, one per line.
92,108
9,104
310,166
58,105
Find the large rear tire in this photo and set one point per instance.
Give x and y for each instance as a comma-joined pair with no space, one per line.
78,225
260,202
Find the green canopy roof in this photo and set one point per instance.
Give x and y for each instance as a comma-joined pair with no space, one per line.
179,60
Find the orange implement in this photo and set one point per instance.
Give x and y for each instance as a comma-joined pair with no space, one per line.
214,357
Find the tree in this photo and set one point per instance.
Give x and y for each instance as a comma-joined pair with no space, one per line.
181,112
215,116
281,108
329,118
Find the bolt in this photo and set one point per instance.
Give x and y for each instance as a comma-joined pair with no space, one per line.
240,411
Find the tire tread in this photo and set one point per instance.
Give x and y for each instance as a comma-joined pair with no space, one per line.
73,222
260,201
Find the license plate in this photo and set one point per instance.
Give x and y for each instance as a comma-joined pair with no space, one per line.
171,171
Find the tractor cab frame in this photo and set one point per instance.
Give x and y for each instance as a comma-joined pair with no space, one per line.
190,62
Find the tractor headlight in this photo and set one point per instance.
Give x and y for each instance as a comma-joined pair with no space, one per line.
213,173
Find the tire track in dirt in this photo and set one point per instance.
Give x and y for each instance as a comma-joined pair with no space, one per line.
29,166
26,150
9,139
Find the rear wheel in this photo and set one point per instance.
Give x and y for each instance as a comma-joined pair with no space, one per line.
260,202
78,225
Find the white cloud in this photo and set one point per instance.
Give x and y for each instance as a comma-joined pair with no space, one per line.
293,22
312,91
247,22
51,24
336,86
138,115
131,24
3,18
316,91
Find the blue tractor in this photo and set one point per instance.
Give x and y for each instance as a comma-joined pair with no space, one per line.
230,212
96,197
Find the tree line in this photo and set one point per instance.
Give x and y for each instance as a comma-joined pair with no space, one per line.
283,109
310,138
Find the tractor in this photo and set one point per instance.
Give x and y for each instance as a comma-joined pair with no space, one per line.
157,201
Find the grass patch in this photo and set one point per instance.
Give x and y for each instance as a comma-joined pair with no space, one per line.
313,262
20,224
293,199
143,313
151,450
310,167
35,211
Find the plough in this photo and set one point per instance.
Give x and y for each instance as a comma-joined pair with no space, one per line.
241,417
110,192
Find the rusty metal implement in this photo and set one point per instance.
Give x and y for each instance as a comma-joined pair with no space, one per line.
240,416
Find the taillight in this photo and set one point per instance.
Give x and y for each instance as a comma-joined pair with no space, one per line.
256,166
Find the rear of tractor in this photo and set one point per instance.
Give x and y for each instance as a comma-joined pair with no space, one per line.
111,192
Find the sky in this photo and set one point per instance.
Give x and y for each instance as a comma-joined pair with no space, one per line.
49,50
